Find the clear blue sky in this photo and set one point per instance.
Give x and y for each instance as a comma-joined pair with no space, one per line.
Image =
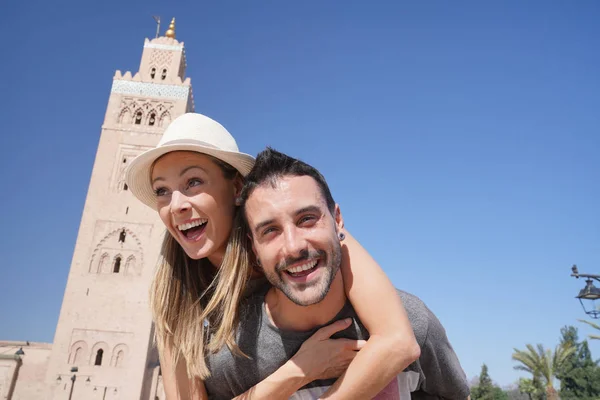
461,140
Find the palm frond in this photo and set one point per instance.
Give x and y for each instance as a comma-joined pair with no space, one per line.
542,363
593,325
590,323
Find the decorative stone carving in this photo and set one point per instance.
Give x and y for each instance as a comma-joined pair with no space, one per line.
147,89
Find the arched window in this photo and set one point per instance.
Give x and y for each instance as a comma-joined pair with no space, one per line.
119,359
164,74
125,116
138,118
165,119
152,73
125,187
122,236
152,119
77,353
130,266
117,266
77,356
104,263
99,355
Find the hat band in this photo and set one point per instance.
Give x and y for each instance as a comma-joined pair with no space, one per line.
192,141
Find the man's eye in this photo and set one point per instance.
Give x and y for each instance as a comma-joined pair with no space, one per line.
306,219
160,192
267,231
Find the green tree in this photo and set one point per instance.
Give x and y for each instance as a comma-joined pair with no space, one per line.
486,390
580,374
514,393
532,388
543,363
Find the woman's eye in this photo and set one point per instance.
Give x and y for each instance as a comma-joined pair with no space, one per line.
160,192
194,182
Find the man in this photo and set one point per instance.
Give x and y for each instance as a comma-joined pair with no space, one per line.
296,230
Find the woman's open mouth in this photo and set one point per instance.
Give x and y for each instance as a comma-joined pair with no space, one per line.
193,229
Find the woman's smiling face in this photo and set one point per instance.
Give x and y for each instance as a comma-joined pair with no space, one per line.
196,202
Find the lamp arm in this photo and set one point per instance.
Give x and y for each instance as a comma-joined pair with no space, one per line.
596,277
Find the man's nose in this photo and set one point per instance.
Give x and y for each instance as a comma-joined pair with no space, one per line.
294,242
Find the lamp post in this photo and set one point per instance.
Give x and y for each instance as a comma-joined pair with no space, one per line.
589,293
73,378
105,389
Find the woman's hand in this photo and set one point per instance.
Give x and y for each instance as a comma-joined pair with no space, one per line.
321,357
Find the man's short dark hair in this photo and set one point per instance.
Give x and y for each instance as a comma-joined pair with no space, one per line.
272,165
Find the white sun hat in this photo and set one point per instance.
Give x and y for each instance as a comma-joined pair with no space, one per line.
189,132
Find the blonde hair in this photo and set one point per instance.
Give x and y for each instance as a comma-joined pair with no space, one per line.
195,304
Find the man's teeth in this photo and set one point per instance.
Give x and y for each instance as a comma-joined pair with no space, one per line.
193,224
305,267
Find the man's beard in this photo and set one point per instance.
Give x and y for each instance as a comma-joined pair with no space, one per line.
330,264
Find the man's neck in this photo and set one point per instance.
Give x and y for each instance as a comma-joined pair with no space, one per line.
287,315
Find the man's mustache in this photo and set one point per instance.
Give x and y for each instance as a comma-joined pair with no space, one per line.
305,255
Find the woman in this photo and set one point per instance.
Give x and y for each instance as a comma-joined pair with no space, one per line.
192,178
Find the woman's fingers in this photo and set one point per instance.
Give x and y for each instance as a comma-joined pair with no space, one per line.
326,331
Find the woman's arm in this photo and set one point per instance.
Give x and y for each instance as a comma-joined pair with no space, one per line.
177,384
392,345
319,357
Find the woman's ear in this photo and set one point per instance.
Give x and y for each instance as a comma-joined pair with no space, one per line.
238,184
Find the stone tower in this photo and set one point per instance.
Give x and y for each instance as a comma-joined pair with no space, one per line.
104,334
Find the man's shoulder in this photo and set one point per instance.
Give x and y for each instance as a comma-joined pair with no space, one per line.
419,315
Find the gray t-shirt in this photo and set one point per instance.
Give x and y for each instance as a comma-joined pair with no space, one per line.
437,373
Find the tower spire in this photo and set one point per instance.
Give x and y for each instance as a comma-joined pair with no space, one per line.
170,33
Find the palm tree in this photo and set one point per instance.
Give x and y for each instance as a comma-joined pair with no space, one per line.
543,363
531,388
593,325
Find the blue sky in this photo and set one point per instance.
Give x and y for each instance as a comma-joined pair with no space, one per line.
460,139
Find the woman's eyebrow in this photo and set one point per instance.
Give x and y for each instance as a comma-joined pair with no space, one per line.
186,169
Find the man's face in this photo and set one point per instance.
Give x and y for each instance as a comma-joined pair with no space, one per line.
295,237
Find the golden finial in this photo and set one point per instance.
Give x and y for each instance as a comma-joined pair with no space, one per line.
170,33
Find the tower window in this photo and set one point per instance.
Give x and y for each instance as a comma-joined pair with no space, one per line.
125,187
127,210
152,119
164,74
119,360
122,236
77,356
99,354
124,160
117,266
152,73
138,118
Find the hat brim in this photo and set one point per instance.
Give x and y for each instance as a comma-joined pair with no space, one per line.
137,175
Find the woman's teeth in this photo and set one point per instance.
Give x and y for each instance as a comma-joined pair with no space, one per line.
193,224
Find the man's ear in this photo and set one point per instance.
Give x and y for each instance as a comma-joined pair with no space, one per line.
339,220
253,247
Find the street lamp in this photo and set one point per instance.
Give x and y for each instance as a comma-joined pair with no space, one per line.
590,293
73,378
105,390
